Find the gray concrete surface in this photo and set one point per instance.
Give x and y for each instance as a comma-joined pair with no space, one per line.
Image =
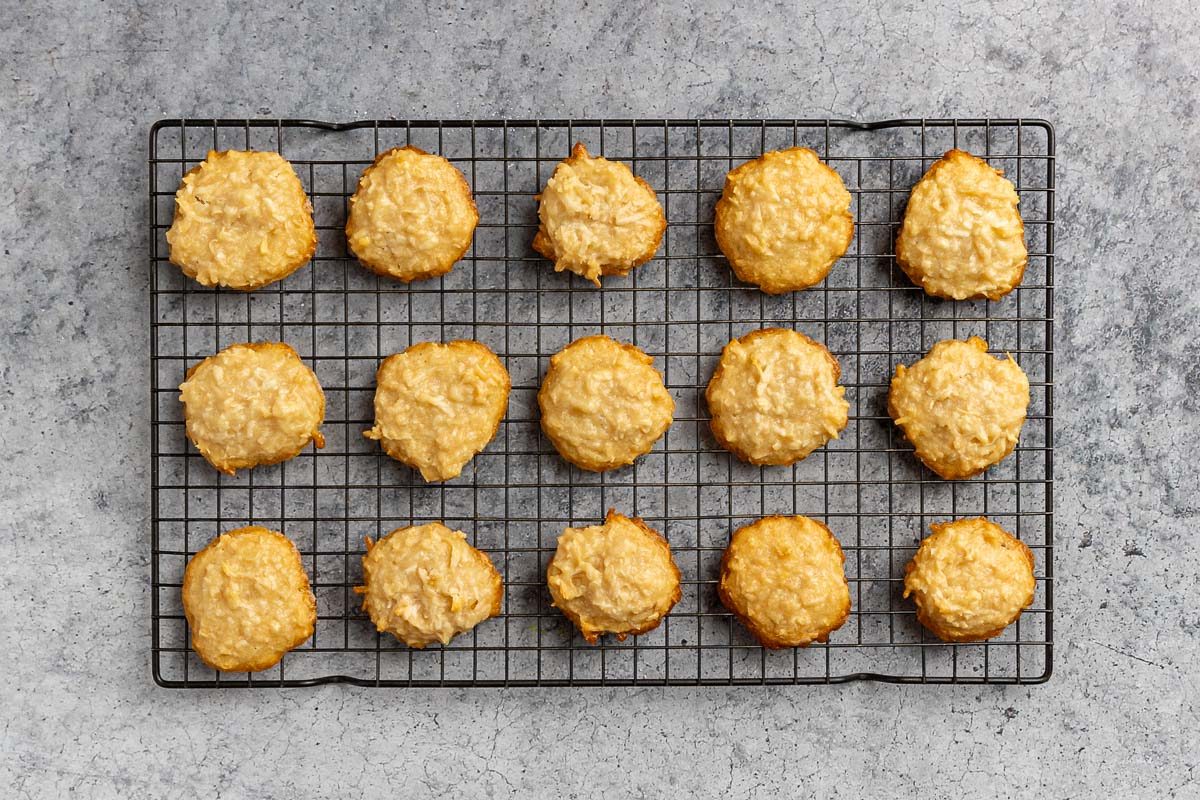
80,83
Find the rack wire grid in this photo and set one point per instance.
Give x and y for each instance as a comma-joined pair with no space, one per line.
517,495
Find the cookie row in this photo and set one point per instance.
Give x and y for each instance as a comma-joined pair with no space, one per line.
773,398
248,601
242,220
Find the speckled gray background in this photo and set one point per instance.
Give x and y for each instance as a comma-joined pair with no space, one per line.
80,83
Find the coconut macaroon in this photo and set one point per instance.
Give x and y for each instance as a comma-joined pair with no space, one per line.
784,578
247,600
970,579
242,220
962,235
616,578
252,404
961,409
774,397
783,220
597,217
412,216
426,584
603,403
437,405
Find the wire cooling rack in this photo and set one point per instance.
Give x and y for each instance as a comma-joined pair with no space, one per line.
516,496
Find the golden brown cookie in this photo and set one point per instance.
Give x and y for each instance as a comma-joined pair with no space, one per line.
603,403
617,578
784,578
774,397
962,235
970,579
242,220
247,600
412,216
961,409
783,220
437,405
425,584
252,404
597,217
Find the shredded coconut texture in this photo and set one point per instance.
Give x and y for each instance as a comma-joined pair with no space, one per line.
617,578
597,217
247,600
437,405
603,403
961,408
412,216
962,235
426,584
783,220
784,579
242,220
970,579
774,397
252,404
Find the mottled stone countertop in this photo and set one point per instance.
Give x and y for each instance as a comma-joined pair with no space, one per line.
80,83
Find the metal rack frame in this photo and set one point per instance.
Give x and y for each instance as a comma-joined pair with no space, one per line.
514,498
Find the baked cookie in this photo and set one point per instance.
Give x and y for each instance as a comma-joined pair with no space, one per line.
970,579
784,578
774,397
783,220
962,235
247,600
961,409
412,216
597,217
252,404
603,403
617,578
437,405
242,220
425,584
